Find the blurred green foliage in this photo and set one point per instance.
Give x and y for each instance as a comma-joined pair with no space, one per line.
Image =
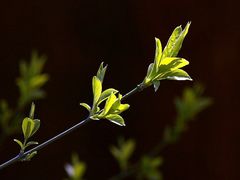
123,152
31,79
30,83
149,168
188,106
76,169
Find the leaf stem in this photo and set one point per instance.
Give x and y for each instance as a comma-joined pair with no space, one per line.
139,88
21,156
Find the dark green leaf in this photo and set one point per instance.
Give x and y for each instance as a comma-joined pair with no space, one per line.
29,156
19,143
156,85
36,126
31,143
27,127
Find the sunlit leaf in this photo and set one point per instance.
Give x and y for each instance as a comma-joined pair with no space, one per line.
175,41
158,51
105,94
101,72
115,118
122,107
172,63
97,89
179,75
111,99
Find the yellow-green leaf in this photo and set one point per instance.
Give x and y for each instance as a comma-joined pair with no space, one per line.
97,89
172,63
175,41
179,75
158,51
110,101
105,94
115,118
122,107
36,126
27,127
101,72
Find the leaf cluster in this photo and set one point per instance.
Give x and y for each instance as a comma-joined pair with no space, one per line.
166,65
30,84
113,106
31,79
29,128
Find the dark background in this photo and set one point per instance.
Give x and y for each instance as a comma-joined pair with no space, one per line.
78,35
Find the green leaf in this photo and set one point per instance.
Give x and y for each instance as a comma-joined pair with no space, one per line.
19,143
36,126
86,106
179,75
31,143
105,94
29,156
115,118
101,72
158,51
175,41
27,127
97,89
156,85
122,107
147,79
172,63
111,99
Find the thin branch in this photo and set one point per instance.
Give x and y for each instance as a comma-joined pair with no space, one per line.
21,156
53,139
